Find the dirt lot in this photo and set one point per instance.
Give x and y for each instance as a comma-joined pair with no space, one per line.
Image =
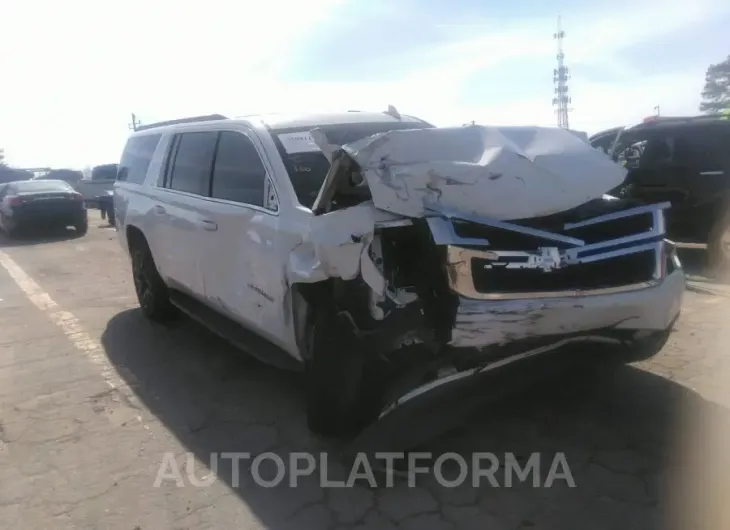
93,398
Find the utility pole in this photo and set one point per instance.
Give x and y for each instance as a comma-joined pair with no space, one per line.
135,123
560,78
657,110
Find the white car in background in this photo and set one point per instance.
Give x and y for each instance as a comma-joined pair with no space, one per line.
387,258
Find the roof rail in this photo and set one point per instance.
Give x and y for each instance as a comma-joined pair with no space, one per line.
684,119
192,119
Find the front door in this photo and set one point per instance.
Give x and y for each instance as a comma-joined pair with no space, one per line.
244,260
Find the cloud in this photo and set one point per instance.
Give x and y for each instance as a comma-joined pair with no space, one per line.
77,72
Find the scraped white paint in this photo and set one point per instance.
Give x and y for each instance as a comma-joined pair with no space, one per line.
499,172
66,321
334,245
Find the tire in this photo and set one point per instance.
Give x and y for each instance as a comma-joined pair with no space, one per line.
718,247
11,229
152,293
335,376
644,348
82,228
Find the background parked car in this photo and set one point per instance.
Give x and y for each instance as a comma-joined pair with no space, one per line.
47,203
67,175
686,161
11,174
101,181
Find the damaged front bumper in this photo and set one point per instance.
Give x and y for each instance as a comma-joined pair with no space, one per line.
577,282
651,306
498,249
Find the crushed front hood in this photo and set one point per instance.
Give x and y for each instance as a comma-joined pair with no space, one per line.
504,173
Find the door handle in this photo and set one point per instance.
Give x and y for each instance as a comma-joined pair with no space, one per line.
209,225
159,209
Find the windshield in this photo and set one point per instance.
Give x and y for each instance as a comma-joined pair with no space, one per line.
32,186
308,167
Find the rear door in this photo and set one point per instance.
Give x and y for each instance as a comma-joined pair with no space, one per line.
243,256
183,210
704,153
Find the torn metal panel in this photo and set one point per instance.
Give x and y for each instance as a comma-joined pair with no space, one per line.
371,268
337,244
502,173
450,213
480,323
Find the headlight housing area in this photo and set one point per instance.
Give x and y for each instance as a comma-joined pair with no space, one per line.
670,259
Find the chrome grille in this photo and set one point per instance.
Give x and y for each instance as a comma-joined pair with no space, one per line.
605,252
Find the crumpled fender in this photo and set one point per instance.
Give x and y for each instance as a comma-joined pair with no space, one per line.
337,247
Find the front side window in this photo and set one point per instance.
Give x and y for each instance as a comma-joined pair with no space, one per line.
308,167
239,174
193,162
136,158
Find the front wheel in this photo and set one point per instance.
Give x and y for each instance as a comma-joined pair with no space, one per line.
152,293
335,376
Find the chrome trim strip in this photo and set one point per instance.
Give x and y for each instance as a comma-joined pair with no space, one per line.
443,233
573,256
568,257
653,208
505,225
619,252
461,281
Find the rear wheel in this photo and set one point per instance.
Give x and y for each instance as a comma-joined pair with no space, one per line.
81,227
335,376
152,293
11,228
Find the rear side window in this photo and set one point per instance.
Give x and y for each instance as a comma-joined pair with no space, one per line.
193,162
136,158
239,174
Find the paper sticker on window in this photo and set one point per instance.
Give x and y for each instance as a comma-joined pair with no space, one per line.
300,142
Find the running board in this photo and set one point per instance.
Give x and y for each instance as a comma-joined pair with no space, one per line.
234,333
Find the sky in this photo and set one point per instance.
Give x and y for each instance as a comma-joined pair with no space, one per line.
72,72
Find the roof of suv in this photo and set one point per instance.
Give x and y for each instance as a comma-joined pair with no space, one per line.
289,121
277,121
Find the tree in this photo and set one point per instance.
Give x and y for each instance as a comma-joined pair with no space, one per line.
716,94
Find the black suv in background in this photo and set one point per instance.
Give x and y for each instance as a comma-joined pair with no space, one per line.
685,161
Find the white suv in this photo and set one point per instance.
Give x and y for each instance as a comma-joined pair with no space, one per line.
385,257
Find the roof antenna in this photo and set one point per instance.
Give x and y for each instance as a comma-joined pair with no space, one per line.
393,112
